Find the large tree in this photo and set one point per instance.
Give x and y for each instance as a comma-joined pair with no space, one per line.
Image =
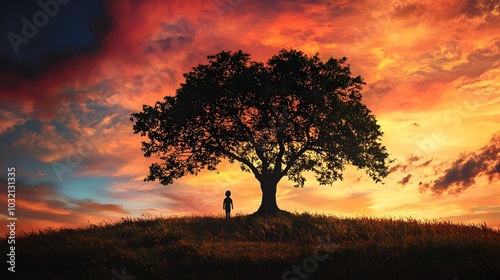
293,114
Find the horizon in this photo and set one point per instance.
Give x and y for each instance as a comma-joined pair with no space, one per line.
432,74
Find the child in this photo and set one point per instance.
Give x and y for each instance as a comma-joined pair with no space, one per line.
227,204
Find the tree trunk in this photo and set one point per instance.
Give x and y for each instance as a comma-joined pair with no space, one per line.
268,204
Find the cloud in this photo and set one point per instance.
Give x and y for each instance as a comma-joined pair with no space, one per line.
477,14
41,204
61,51
118,56
447,62
414,9
487,9
403,167
376,91
9,120
345,8
405,180
486,209
47,145
424,164
464,170
77,27
172,36
89,205
479,61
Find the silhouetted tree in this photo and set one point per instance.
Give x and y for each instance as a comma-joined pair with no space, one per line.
293,114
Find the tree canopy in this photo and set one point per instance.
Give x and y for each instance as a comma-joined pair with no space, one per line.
293,114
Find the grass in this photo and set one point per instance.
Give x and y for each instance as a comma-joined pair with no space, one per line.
248,247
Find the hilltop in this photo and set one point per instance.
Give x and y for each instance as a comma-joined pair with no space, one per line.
289,246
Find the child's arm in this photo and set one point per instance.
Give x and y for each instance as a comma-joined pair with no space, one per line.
223,206
232,206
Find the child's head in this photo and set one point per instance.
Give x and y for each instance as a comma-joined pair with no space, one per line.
228,193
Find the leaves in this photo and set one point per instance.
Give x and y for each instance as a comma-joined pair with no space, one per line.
291,115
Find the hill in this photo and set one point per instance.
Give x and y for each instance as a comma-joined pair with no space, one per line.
289,246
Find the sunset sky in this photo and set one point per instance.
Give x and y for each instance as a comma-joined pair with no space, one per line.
432,73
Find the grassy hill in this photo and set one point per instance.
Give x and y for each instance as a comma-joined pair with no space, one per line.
289,246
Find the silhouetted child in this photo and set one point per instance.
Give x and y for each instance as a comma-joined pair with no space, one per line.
227,204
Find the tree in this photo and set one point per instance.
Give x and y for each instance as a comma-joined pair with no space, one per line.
291,115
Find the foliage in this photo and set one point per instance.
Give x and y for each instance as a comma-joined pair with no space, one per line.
293,114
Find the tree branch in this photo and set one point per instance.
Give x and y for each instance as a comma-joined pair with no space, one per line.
219,148
279,157
238,158
258,148
294,157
